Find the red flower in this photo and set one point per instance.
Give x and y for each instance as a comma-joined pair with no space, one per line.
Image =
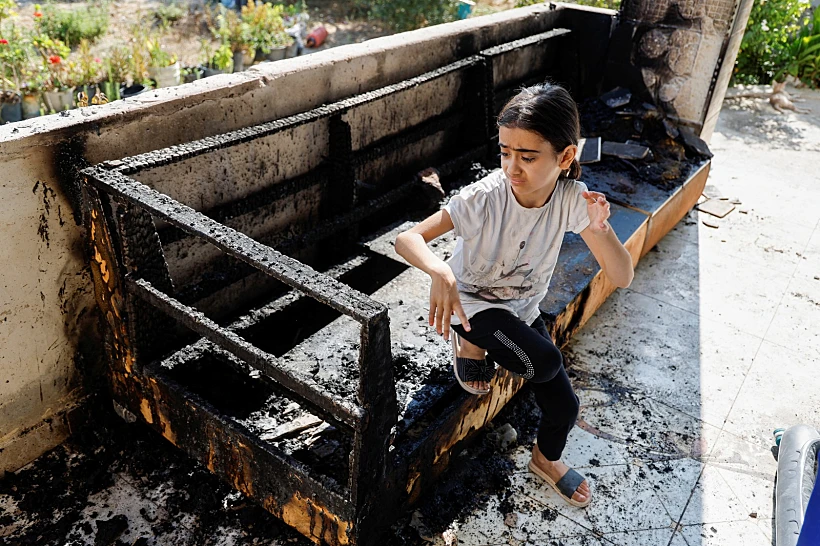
54,59
4,41
38,14
97,60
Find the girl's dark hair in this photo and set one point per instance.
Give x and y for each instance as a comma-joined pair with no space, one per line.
546,109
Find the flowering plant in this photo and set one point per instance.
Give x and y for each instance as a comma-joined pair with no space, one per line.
13,59
63,74
90,67
7,9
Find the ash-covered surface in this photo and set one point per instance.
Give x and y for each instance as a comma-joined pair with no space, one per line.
674,151
119,484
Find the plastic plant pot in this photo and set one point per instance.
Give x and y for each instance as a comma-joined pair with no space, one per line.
31,105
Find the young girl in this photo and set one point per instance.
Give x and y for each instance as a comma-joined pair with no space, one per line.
510,226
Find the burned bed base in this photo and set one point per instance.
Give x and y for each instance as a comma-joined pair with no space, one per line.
329,402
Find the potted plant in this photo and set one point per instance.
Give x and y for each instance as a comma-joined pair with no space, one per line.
115,72
59,77
35,78
10,102
282,46
190,73
90,68
163,67
267,29
63,76
138,61
216,61
230,29
13,58
296,18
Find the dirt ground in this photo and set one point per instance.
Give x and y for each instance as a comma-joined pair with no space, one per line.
184,36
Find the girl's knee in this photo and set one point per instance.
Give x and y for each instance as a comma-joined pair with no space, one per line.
548,362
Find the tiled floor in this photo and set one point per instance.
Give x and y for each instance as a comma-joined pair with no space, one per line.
684,375
682,378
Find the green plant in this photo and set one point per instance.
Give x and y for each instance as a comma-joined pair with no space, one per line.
90,67
47,47
63,74
14,56
266,25
220,58
34,77
764,50
157,56
804,54
139,57
229,28
7,9
73,25
116,65
168,14
408,14
297,7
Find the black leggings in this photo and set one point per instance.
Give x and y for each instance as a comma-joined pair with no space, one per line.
530,352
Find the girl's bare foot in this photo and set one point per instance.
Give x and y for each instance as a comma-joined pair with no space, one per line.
556,470
468,350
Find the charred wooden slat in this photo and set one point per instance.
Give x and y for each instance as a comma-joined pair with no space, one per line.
181,152
398,142
224,213
283,485
238,245
525,42
342,410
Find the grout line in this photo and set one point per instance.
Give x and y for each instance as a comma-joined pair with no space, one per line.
768,327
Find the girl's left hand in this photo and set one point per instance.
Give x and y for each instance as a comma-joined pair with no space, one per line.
598,210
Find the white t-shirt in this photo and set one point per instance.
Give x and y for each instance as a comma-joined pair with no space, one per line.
505,253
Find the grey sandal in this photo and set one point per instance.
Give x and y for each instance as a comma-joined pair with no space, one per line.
567,486
469,369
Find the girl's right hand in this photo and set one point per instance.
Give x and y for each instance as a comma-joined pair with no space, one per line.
444,301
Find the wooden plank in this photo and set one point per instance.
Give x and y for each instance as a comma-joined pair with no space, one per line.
579,286
283,486
670,213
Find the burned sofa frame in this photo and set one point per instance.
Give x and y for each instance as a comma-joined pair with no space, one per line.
387,467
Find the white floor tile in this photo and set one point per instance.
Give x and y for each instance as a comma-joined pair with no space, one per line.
779,391
736,533
623,500
795,324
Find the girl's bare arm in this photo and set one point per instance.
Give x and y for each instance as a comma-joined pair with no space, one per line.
614,259
412,246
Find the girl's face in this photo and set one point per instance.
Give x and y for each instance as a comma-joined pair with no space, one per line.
531,164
